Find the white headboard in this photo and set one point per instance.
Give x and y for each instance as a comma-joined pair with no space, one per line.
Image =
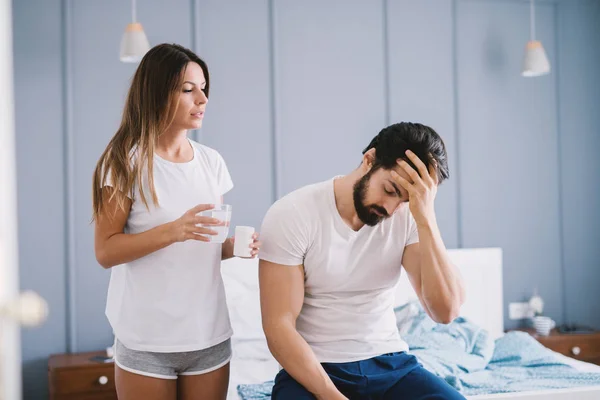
481,270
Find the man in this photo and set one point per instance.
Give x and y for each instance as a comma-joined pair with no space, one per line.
331,257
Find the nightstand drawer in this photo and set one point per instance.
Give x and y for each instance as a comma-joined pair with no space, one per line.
80,376
584,347
88,380
580,348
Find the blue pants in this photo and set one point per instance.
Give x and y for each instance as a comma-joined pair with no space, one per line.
393,376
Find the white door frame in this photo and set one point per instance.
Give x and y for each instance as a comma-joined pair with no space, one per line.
10,341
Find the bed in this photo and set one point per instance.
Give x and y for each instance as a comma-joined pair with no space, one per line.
482,273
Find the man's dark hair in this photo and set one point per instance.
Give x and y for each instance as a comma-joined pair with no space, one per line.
392,142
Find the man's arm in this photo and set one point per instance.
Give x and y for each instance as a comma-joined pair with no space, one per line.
435,279
281,298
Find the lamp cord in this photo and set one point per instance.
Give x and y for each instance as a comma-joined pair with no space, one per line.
531,20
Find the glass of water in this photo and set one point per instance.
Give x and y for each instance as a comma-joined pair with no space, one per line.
222,212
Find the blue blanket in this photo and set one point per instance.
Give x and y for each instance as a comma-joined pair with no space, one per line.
463,355
521,363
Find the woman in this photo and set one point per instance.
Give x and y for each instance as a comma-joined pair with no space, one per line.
166,302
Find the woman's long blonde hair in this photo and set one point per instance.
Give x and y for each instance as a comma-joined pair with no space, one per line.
149,110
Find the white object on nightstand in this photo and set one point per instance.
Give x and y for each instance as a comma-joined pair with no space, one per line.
519,311
543,325
536,303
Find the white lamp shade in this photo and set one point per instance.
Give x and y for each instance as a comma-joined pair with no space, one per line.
134,43
536,62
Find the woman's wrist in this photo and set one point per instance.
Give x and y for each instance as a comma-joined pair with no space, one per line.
169,233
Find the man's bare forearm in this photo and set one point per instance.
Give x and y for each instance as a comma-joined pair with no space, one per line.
441,284
297,358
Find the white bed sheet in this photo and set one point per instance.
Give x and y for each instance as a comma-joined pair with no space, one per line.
580,365
250,371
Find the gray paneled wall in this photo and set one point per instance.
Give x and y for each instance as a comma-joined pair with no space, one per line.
508,145
329,87
298,90
579,127
40,179
233,38
420,53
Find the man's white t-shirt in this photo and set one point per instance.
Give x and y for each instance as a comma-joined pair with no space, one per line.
173,300
350,276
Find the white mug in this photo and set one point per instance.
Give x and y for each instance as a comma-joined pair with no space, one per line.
243,240
543,325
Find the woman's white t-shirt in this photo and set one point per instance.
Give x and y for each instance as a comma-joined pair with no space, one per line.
173,300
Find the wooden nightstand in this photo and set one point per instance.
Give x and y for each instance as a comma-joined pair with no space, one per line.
75,376
584,347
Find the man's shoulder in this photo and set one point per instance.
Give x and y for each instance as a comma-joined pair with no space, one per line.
304,199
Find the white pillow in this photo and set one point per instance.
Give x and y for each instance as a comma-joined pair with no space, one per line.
240,277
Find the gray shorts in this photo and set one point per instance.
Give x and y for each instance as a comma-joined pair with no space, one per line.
171,365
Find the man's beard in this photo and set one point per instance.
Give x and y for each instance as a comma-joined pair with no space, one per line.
366,213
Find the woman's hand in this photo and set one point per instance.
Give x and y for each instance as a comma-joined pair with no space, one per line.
255,245
227,251
191,226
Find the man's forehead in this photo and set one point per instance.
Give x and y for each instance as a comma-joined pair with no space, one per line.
399,170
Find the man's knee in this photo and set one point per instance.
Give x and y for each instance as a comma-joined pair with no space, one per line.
422,384
436,386
286,388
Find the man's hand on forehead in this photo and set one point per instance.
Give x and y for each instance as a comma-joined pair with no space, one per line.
422,189
411,161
